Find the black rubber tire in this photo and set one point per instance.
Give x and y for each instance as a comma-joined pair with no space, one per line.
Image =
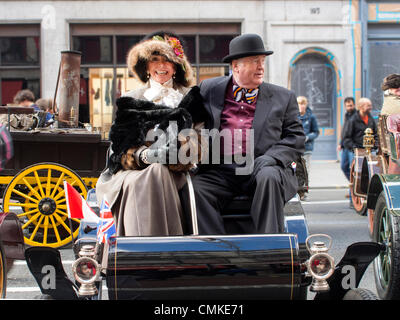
387,274
3,273
360,294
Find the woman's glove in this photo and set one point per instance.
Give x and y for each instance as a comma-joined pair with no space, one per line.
155,155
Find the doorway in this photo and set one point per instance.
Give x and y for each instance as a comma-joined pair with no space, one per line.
312,75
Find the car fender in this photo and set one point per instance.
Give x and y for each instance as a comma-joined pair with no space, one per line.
11,236
390,185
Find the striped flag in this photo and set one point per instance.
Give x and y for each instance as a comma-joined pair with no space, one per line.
106,226
77,207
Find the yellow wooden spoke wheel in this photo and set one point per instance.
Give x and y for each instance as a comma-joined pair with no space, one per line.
36,195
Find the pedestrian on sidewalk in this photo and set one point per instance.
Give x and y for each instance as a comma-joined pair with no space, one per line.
346,153
311,130
346,156
356,125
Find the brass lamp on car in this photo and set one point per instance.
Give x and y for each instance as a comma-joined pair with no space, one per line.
368,140
320,265
86,271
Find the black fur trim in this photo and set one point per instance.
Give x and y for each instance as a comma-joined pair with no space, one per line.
134,118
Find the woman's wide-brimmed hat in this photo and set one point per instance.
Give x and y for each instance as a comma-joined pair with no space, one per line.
392,81
246,45
167,45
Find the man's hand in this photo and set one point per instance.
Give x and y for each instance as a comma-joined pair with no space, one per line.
263,161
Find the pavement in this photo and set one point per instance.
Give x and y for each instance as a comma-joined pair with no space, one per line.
326,174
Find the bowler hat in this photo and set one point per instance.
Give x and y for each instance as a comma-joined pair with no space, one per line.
246,45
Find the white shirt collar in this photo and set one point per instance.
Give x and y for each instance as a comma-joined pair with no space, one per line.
163,93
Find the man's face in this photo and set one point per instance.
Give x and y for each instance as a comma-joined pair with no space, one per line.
349,105
365,107
248,72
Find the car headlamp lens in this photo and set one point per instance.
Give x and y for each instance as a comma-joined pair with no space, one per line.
86,270
321,266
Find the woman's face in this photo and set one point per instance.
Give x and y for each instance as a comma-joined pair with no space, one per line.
160,69
395,91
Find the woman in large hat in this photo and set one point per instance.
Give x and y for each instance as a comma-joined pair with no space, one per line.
141,190
391,99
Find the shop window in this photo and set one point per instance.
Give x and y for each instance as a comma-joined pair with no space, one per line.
19,51
124,43
214,48
95,50
104,73
383,60
19,61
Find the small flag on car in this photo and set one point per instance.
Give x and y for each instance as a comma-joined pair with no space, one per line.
293,165
77,207
106,226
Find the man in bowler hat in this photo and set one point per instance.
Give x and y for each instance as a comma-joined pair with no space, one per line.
244,103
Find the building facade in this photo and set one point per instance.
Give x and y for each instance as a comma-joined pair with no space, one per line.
325,50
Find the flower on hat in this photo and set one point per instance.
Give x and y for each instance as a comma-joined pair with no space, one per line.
174,43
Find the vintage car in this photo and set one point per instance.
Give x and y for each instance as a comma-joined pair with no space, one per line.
380,180
375,184
198,267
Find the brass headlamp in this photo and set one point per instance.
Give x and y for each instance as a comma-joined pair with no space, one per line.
368,140
320,265
86,271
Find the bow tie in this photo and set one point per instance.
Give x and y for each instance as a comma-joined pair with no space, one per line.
248,94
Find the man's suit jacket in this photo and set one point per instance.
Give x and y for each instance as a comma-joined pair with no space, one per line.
277,130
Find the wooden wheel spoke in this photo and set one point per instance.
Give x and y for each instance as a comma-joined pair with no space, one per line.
33,218
25,196
36,228
58,218
55,229
59,195
24,214
31,188
60,179
39,183
48,184
46,228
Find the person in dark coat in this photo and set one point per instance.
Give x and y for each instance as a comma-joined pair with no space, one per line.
346,157
347,154
243,103
311,130
358,123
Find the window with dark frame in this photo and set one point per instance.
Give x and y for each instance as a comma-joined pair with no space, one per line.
104,74
19,60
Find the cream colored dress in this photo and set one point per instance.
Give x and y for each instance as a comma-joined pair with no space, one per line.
146,202
391,104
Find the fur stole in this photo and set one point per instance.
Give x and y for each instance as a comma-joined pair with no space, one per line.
134,118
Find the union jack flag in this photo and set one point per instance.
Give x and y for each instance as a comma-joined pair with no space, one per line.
106,226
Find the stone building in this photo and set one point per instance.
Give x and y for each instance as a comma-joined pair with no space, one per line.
325,50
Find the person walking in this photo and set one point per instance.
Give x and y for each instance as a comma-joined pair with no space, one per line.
346,156
358,123
311,130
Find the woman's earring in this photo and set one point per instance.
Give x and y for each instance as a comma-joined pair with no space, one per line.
173,77
148,76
